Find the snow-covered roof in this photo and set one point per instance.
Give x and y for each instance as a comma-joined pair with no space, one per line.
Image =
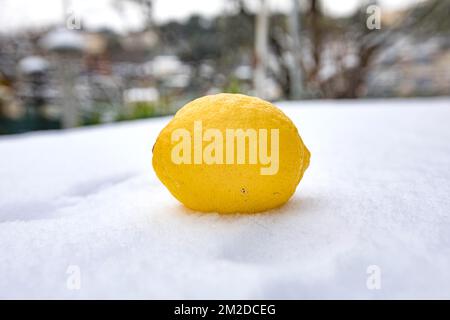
166,65
244,72
375,194
33,64
63,39
149,94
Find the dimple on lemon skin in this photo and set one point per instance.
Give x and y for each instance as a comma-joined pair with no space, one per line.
230,153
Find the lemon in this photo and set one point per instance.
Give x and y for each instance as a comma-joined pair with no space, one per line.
230,153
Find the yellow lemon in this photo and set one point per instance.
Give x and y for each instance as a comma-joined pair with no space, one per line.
230,153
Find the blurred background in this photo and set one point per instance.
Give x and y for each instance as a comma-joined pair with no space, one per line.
69,63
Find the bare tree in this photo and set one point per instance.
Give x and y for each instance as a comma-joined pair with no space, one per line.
331,41
146,7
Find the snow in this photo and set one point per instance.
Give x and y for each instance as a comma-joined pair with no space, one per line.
33,64
376,193
63,39
148,94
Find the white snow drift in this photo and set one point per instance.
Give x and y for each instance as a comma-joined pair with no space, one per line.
376,193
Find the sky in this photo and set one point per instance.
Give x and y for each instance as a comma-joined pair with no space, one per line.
18,14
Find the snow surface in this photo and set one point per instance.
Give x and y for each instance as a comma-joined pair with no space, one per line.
376,193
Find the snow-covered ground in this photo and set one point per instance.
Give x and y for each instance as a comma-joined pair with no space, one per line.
377,193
